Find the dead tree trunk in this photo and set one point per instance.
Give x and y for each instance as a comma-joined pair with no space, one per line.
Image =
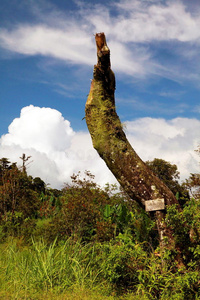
113,147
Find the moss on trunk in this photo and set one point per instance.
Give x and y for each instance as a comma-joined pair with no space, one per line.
112,145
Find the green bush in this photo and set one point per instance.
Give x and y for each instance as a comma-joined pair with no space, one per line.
120,263
186,228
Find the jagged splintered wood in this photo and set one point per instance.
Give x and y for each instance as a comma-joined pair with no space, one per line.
112,145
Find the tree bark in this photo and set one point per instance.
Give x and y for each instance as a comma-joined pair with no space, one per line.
111,143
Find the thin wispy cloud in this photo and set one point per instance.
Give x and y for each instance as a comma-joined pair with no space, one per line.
144,21
132,28
172,94
41,40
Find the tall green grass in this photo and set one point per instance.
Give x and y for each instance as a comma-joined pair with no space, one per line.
54,268
66,271
72,270
69,270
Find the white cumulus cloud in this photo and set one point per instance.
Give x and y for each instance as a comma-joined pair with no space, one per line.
172,140
43,129
57,151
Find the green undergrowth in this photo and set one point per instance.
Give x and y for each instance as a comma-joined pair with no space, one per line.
85,242
117,269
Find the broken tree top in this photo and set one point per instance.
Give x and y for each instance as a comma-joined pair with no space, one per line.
103,52
101,42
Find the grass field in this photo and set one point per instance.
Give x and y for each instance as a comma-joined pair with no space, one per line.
67,271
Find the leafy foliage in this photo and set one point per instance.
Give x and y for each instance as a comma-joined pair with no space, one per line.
193,185
17,192
19,200
169,174
89,238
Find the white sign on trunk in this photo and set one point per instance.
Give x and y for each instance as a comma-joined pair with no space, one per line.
157,204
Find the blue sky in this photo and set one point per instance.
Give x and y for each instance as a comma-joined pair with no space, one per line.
47,53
